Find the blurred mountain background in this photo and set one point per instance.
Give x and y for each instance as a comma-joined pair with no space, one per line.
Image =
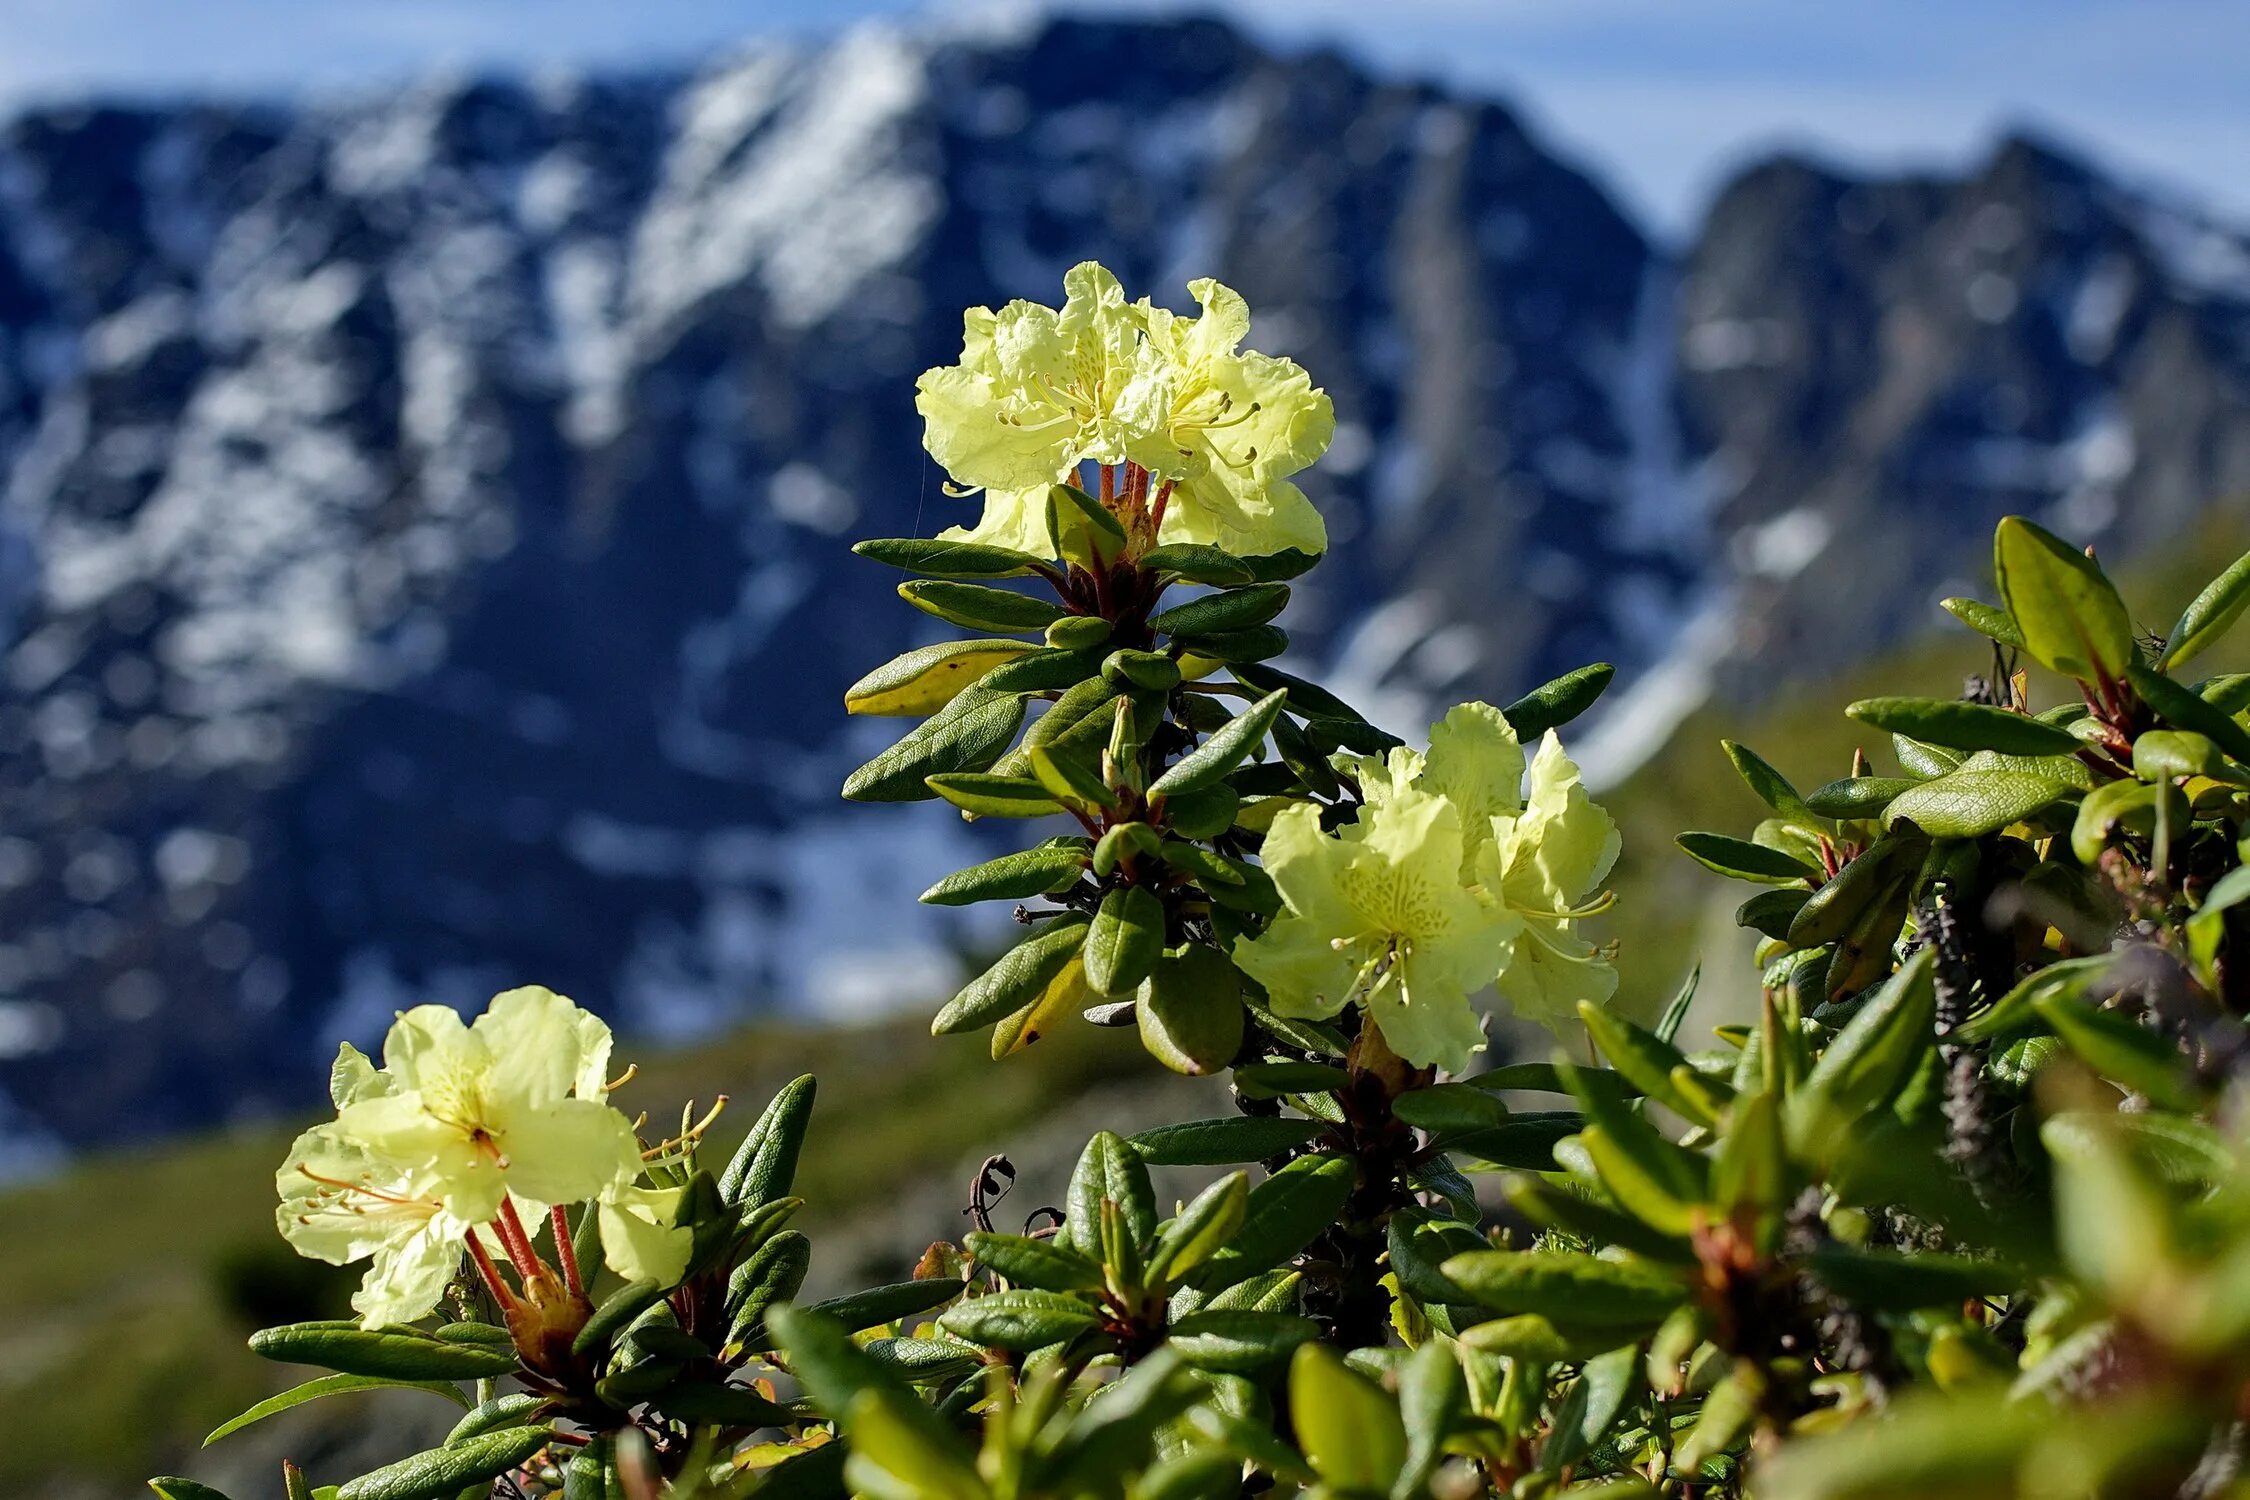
423,527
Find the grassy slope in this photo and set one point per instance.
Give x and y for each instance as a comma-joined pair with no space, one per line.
127,1285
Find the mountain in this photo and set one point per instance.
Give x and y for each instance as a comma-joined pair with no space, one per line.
423,548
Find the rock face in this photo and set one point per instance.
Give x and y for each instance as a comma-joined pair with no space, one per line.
422,564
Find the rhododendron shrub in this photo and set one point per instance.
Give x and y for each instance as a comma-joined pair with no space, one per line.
1960,1204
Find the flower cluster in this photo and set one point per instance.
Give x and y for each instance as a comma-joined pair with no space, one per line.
1207,434
1448,878
465,1129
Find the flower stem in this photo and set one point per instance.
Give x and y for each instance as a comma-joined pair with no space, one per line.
490,1273
565,1251
518,1241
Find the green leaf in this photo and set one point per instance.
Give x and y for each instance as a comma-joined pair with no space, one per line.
1279,567
898,1446
1546,1078
1445,1110
969,734
1346,1425
1043,672
501,1411
947,559
1128,667
1894,1281
716,1405
1239,1341
1306,699
1971,804
2183,708
399,1354
1236,609
1019,977
764,1168
1071,778
923,1361
877,1306
1204,813
1646,1061
974,606
2070,617
1276,1080
1867,881
1591,1407
1871,1058
1257,643
1125,941
1012,877
1858,796
2122,1051
1985,619
1554,704
1209,1220
1566,1287
442,1473
1020,1320
1108,1170
1956,725
617,1311
771,1276
1210,761
2209,615
329,1385
1190,1011
1772,788
988,796
1771,911
1045,1265
172,1487
926,679
1223,1142
827,1363
1197,564
1284,1214
1526,1142
1951,1444
1744,860
1921,761
2168,754
1433,1398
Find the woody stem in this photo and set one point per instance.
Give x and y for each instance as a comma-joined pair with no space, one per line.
565,1251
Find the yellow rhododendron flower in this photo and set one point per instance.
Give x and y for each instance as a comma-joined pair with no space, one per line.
1544,862
1237,424
1039,391
487,1110
1381,918
341,1205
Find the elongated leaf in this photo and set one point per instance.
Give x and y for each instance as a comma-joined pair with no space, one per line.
969,734
1603,1387
618,1310
2209,615
1112,1171
1744,860
1554,704
1964,726
1190,1011
1284,1214
1985,619
1208,1222
1526,1142
1239,1341
1771,911
2116,1048
771,1276
1223,1142
1857,796
1236,609
173,1487
1872,1056
974,606
1125,941
2070,617
922,1361
989,796
328,1385
396,1353
1892,1281
1011,877
1210,761
1771,787
941,559
1347,1426
880,1305
1866,881
1197,564
1046,1265
2186,709
926,679
1566,1287
442,1473
1015,980
764,1168
1971,804
1020,1320
822,1355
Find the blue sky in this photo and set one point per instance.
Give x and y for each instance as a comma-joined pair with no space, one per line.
1663,96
